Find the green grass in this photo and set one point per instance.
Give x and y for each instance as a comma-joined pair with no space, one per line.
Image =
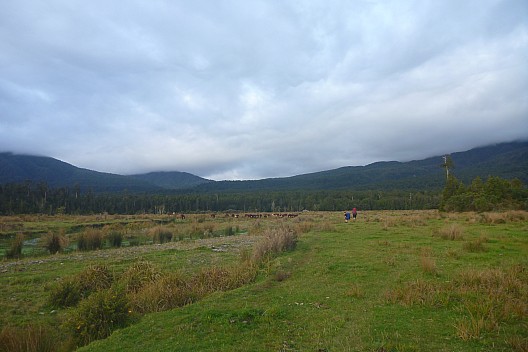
335,297
361,286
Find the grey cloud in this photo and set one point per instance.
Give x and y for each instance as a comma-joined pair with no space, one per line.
259,89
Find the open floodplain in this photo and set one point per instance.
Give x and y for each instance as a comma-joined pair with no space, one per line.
389,281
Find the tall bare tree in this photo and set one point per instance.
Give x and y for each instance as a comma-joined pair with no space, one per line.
448,164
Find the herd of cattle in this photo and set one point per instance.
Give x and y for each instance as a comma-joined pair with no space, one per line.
250,215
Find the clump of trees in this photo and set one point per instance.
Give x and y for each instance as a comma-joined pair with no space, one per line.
494,194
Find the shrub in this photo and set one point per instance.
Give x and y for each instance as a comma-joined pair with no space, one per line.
139,275
89,240
55,243
169,291
96,277
115,239
28,338
69,291
98,316
15,251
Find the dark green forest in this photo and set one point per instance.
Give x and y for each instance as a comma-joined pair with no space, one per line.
31,185
493,194
28,198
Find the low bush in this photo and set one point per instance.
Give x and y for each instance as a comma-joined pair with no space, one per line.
66,293
71,290
139,275
98,316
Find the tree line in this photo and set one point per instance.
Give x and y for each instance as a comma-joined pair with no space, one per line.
33,198
494,194
37,198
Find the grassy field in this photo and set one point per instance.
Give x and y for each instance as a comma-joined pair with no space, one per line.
390,281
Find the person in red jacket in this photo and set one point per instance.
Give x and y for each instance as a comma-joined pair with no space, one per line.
354,213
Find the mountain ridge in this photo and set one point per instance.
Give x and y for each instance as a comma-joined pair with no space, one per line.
507,160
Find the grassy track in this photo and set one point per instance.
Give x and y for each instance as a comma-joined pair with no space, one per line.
334,294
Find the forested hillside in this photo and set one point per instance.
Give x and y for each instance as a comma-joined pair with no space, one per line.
172,180
57,187
508,160
53,173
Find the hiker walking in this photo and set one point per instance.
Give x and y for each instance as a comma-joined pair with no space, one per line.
354,213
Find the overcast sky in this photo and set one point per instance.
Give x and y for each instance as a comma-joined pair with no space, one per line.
253,89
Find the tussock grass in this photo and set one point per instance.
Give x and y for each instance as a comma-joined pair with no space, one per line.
139,275
55,242
417,292
98,316
90,239
476,245
504,217
518,343
71,290
450,232
214,279
168,292
160,234
15,251
29,338
486,298
428,264
147,289
274,241
114,238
